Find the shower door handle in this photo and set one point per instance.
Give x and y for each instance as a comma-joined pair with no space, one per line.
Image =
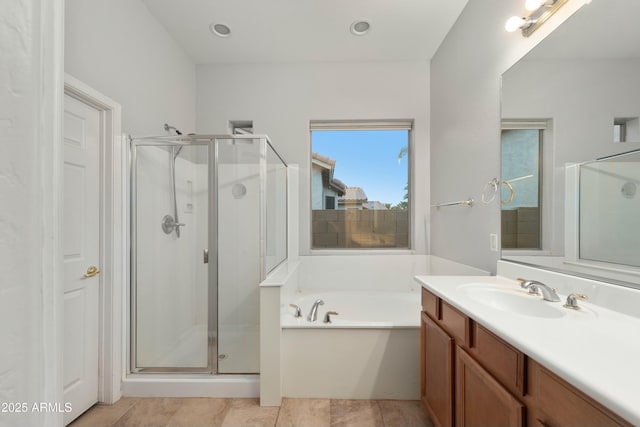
205,256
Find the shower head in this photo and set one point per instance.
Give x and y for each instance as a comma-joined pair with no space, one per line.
168,128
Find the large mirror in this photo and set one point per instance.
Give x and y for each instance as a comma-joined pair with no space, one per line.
570,107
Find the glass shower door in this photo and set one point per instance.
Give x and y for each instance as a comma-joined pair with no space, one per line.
171,294
240,257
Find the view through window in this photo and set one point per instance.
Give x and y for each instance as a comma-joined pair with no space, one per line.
360,188
521,166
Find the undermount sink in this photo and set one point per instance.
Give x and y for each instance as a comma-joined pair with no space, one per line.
512,300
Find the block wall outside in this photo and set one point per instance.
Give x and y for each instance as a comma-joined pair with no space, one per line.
360,229
520,228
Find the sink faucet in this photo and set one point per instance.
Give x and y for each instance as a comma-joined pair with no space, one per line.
548,293
313,314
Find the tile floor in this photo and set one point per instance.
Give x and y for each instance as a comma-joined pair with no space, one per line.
209,412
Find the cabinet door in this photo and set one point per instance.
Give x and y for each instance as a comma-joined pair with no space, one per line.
437,372
556,403
480,399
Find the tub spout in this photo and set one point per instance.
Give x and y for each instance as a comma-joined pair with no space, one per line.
313,314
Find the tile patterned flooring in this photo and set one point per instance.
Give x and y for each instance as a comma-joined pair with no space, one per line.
210,412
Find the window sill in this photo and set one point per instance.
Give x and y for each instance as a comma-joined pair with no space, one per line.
321,252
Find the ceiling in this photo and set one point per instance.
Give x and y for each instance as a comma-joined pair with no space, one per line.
307,30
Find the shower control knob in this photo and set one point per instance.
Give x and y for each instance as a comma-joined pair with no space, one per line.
169,224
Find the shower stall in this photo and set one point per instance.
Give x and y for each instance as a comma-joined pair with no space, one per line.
208,222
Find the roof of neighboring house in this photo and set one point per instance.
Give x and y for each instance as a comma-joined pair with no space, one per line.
328,165
374,205
354,194
319,159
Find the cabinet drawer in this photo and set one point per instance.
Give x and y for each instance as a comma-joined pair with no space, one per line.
430,304
503,361
557,403
456,323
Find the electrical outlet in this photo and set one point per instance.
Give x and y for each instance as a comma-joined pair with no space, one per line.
493,242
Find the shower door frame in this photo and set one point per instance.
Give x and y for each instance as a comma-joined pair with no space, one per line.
212,263
212,142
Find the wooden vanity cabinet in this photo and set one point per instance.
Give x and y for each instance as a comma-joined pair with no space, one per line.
553,403
455,388
436,369
471,377
480,399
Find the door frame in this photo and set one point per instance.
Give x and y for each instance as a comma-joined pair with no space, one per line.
113,225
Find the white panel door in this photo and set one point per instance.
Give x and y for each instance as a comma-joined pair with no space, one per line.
81,241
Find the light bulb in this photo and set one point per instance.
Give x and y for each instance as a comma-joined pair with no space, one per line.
514,23
533,4
536,4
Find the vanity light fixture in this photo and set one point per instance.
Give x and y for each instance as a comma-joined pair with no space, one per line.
220,30
532,5
541,10
360,28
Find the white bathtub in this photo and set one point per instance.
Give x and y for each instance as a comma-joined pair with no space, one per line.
371,348
356,309
369,351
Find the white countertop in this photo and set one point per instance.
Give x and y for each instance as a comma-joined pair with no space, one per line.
595,349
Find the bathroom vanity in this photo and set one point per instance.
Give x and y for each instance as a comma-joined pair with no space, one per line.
491,354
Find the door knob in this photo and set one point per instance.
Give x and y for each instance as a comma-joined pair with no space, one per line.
92,271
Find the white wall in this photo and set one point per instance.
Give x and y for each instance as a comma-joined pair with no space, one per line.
465,124
374,272
31,90
281,99
118,48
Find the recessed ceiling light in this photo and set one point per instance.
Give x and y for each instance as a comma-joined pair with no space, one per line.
220,30
360,28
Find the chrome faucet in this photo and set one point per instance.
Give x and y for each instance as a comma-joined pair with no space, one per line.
298,311
327,316
313,314
572,301
548,293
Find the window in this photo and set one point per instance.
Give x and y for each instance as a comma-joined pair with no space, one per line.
329,202
241,127
522,153
360,194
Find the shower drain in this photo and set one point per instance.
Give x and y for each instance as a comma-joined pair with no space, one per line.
222,356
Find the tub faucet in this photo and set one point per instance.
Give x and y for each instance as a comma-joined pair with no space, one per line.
313,314
327,316
548,293
298,311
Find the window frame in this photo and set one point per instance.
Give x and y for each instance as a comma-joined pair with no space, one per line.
364,125
546,193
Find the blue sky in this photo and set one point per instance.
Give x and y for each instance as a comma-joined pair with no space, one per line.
367,159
